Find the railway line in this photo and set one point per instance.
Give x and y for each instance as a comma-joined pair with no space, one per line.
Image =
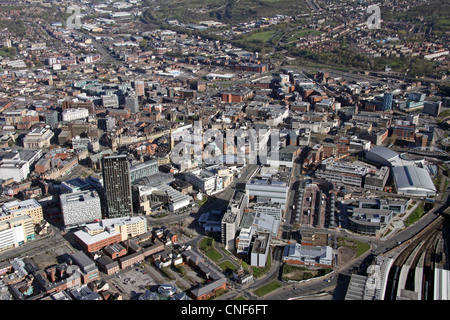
412,273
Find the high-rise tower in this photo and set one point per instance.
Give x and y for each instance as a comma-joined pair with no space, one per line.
117,185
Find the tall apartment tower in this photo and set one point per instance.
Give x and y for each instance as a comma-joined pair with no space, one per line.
139,87
117,186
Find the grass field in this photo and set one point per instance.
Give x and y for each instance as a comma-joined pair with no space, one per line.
214,255
415,215
227,266
262,36
358,246
207,246
267,288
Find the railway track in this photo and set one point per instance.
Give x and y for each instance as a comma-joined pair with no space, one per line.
418,252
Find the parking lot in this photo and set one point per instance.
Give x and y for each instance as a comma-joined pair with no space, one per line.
133,281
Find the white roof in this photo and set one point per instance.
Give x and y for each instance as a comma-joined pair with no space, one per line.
411,177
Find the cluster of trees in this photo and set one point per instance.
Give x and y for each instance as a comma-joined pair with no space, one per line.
8,52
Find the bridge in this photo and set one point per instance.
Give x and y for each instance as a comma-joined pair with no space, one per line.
429,151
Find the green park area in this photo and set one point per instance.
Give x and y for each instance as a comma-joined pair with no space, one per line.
267,288
207,246
358,246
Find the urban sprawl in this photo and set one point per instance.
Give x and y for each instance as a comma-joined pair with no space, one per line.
147,163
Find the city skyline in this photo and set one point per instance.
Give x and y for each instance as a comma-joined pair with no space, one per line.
214,150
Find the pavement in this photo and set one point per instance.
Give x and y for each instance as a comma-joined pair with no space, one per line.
397,223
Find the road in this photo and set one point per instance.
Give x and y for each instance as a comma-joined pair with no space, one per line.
220,201
40,245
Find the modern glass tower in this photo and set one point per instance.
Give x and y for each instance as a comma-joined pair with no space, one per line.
117,185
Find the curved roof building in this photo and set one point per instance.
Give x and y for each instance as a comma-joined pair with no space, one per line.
381,155
415,181
409,178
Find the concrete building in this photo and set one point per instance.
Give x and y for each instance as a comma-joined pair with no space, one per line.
132,103
260,250
310,256
142,170
17,164
117,185
17,208
74,114
80,207
95,236
38,138
273,190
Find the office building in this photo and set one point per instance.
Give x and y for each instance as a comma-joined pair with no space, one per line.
139,87
17,222
17,208
75,114
110,101
95,236
231,220
387,101
88,270
272,190
142,170
51,117
17,164
369,221
345,173
377,180
132,103
117,186
310,256
433,108
15,232
260,250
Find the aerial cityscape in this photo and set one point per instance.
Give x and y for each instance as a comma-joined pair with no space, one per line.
244,151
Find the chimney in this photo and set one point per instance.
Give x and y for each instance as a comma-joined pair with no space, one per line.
51,274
